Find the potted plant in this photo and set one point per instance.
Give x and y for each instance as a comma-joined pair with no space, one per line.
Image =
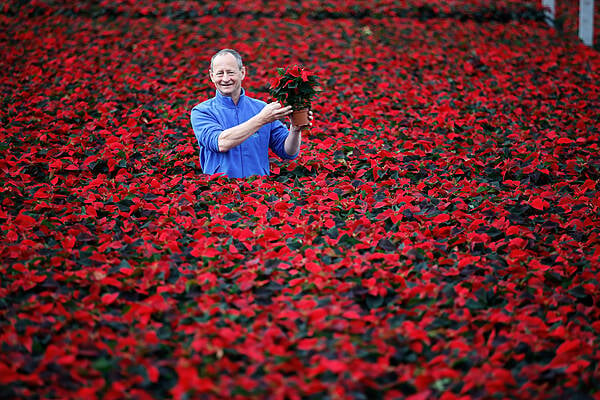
295,86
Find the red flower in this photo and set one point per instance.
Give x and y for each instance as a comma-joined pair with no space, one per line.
295,70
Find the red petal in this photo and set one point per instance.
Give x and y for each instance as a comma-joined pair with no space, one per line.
153,373
109,298
441,218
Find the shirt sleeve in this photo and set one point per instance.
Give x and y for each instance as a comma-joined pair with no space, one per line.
279,133
206,128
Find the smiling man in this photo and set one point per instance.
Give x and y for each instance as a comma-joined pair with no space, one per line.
235,131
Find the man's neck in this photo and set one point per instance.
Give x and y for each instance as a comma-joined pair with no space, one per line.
234,97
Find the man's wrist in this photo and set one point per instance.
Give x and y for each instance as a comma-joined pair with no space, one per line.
258,118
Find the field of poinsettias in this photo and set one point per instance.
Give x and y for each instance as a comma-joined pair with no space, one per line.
438,236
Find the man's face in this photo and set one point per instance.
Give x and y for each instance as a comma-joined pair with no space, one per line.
227,76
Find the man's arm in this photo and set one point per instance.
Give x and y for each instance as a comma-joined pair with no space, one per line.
294,139
292,142
231,137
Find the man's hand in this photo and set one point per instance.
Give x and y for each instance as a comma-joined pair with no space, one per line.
273,111
299,128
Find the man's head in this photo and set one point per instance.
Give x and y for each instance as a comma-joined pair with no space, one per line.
227,72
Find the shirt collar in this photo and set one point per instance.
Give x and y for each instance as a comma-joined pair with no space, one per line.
227,101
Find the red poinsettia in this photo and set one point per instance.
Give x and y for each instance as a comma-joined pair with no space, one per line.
295,86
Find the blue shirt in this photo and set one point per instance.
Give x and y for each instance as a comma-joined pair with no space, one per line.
251,157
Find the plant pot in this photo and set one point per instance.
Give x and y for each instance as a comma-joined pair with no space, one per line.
300,117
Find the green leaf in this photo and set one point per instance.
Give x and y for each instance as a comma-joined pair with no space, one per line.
232,216
374,301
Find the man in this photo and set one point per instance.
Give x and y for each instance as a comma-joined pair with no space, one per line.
235,131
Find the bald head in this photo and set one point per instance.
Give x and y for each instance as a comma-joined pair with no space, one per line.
235,54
